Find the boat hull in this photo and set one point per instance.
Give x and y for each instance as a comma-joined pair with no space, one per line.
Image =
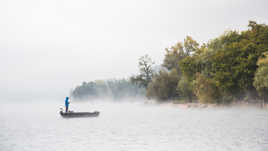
79,114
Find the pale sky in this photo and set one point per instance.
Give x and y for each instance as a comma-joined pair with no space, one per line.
50,46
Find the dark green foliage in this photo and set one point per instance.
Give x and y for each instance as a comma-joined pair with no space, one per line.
225,66
261,81
190,46
185,88
229,67
173,56
178,52
230,60
261,77
190,66
206,89
163,86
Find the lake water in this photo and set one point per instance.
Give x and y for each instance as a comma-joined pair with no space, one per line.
37,126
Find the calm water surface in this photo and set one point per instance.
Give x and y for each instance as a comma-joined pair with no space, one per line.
37,126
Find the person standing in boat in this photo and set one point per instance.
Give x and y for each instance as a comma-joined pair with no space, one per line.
67,104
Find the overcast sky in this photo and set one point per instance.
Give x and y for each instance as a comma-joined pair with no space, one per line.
50,46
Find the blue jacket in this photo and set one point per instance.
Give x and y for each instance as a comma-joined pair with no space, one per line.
67,102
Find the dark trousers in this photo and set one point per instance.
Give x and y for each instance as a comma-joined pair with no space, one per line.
66,108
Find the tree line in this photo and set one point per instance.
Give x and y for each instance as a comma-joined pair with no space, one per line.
228,68
231,67
115,89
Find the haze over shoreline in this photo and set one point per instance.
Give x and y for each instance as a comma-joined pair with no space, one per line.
46,53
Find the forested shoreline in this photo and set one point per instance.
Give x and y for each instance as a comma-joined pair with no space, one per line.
115,89
229,68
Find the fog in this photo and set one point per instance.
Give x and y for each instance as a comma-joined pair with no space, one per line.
50,46
131,125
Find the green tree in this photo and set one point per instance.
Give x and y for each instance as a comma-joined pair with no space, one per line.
146,71
261,77
173,55
185,88
190,45
116,89
163,86
206,89
263,59
261,81
230,59
178,52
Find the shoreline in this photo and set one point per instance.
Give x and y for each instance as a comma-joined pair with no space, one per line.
203,106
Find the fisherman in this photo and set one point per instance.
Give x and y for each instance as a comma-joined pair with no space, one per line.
67,104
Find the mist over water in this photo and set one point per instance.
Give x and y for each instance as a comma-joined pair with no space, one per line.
131,125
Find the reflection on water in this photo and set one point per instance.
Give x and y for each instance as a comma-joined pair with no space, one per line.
132,126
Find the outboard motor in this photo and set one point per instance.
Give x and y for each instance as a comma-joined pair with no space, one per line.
61,110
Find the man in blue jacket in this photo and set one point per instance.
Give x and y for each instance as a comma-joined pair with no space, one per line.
67,104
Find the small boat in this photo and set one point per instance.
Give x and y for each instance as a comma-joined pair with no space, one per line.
79,114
